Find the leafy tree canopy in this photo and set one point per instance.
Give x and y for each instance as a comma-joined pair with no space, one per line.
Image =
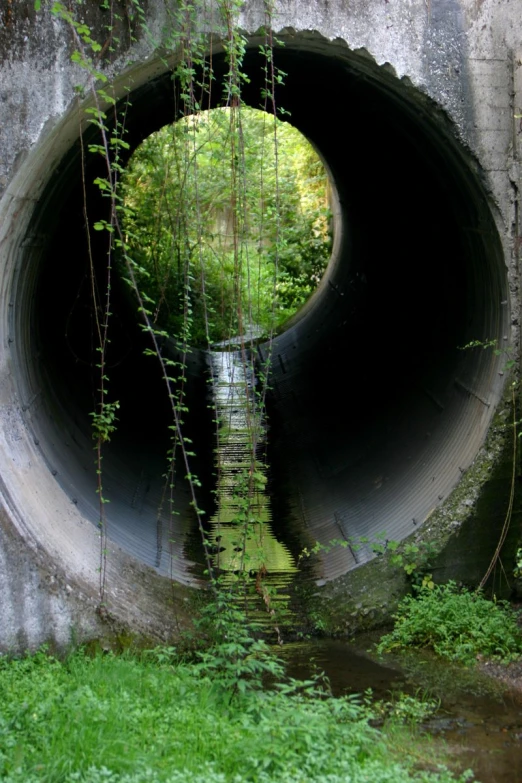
228,223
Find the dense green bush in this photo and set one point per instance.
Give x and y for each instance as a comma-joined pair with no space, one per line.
457,624
135,720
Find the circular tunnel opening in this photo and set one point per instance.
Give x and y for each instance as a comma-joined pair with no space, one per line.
374,411
227,221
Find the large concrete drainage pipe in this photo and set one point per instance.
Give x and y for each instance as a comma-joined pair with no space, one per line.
374,410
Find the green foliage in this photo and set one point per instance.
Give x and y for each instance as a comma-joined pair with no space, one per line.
407,709
413,559
497,351
134,720
237,661
224,235
104,421
457,624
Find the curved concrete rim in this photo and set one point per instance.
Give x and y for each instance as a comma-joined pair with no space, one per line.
355,452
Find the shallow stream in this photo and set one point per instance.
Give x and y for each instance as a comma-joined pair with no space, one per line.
479,719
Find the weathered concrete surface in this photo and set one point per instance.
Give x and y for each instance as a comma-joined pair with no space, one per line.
460,59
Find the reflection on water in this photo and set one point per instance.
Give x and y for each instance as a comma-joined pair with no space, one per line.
479,720
241,534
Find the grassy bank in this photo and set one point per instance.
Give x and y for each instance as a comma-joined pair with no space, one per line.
153,718
459,625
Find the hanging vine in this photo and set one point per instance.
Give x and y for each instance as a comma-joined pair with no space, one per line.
196,91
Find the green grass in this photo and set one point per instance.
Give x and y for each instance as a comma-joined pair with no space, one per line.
457,624
129,719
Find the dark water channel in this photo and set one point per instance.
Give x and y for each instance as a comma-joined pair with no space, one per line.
479,719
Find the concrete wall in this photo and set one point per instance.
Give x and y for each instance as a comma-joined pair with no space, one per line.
460,60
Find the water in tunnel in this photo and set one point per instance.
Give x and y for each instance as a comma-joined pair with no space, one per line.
373,409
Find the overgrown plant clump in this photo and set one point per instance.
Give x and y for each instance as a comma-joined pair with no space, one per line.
404,709
455,623
155,719
237,659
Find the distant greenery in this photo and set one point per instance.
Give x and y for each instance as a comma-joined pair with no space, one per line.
457,624
154,719
226,235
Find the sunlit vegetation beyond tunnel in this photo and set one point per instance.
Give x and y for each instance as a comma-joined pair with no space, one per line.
228,222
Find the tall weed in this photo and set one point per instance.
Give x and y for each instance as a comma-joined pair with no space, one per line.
457,624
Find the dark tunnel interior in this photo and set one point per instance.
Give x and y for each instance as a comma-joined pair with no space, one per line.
374,411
